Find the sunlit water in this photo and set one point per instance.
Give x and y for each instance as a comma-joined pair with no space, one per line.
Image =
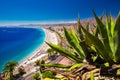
17,43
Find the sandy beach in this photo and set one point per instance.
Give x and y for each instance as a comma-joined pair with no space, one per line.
28,62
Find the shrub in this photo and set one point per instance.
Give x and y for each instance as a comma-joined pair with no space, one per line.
47,74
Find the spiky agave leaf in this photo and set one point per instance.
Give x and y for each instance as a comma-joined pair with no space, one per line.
87,27
92,76
110,32
117,38
96,32
74,42
79,29
98,44
65,52
104,35
75,66
86,44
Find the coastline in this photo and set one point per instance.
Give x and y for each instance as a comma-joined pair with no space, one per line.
28,62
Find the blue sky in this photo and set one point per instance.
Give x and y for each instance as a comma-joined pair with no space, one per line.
51,10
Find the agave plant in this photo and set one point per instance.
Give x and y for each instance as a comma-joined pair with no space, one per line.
97,48
108,42
74,50
80,49
78,43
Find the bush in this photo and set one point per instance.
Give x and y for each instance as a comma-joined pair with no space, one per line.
36,76
47,74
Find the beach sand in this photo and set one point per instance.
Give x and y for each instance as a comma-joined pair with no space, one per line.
29,62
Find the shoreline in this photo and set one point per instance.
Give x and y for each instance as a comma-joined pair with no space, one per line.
33,51
28,62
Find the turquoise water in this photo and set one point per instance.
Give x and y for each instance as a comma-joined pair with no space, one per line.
18,43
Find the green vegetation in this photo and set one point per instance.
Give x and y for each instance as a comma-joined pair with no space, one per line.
37,62
10,74
9,67
99,49
36,76
47,74
92,53
107,44
92,76
21,71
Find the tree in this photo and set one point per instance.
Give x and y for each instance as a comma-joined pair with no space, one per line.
37,62
21,71
36,76
9,67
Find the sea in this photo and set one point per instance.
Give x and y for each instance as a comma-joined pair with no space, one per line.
17,43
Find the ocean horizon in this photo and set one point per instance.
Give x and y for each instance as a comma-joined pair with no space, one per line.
17,23
18,42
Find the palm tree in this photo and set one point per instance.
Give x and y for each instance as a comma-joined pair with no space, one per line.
37,62
21,71
39,68
9,67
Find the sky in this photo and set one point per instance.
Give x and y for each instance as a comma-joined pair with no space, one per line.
55,10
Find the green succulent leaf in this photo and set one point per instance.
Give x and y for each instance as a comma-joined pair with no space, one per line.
87,27
64,52
79,29
96,32
117,38
74,42
106,64
92,76
75,66
98,44
104,35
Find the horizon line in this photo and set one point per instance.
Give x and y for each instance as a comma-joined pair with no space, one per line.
17,23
